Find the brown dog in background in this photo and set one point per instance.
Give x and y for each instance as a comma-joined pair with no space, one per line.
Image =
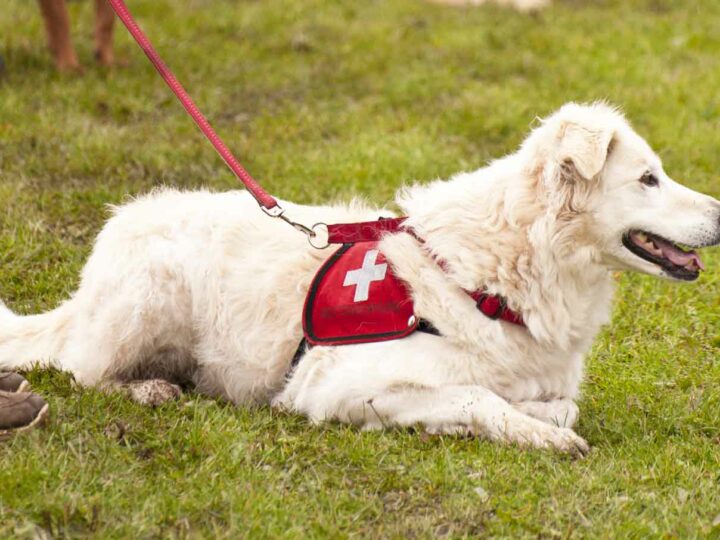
57,24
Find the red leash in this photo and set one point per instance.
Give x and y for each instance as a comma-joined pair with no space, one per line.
268,203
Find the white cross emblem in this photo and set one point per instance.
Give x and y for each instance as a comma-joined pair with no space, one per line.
362,277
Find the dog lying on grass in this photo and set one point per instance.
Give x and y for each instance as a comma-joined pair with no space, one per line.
203,288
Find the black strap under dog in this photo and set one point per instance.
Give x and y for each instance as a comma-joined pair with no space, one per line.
424,326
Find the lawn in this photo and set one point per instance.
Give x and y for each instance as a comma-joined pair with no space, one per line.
328,100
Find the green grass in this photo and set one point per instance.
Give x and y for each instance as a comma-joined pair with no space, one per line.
327,100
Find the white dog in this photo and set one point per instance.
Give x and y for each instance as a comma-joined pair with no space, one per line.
204,288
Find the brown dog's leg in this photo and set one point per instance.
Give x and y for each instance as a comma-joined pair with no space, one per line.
57,24
104,20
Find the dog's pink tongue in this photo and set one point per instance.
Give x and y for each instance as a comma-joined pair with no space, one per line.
677,256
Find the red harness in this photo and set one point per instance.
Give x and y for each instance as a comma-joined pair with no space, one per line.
355,296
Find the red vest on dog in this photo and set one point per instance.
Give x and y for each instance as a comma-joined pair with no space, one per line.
356,298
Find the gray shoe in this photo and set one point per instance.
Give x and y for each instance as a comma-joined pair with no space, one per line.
20,411
12,382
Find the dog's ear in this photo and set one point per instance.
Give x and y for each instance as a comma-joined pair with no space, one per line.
584,148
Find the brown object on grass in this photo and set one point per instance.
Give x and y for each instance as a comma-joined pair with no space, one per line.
20,411
12,382
57,25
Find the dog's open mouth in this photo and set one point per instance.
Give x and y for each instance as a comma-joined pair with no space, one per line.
679,263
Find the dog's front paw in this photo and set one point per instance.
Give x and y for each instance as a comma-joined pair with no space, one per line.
540,435
567,441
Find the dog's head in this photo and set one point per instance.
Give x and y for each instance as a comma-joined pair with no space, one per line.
598,172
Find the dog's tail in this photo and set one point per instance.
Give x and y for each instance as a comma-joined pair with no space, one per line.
34,339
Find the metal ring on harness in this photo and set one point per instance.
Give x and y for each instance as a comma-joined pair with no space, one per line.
320,237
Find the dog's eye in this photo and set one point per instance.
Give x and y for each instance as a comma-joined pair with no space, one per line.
649,179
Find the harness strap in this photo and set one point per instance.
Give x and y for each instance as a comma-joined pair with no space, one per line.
299,353
365,231
495,307
424,326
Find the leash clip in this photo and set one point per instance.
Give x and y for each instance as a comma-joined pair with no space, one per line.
276,211
313,233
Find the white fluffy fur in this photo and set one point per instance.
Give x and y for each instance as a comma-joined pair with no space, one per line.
205,288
